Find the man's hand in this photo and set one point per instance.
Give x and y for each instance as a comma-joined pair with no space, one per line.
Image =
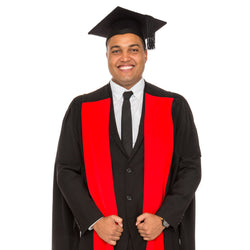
149,226
109,229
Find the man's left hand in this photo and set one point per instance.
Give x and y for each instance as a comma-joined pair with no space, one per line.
149,226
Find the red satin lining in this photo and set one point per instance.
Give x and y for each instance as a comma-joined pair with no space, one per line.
96,148
158,150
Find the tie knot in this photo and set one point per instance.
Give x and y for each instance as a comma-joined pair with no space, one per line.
127,95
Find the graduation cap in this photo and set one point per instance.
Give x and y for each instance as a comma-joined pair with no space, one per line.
122,21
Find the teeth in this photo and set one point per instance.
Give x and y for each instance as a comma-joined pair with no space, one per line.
125,67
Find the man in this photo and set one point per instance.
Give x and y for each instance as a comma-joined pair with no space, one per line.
128,160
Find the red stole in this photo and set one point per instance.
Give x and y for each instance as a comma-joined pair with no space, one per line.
158,148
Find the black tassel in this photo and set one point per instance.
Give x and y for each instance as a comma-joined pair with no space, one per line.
151,42
150,36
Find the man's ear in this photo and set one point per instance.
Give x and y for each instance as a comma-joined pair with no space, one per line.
107,52
146,55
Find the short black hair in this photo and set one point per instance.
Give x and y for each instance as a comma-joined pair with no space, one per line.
142,40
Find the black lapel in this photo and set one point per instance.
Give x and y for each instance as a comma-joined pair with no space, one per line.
140,136
112,126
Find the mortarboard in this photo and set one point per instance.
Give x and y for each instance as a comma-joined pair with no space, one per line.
122,21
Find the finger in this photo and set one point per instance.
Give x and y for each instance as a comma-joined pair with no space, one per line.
116,238
140,218
140,226
117,220
112,242
119,229
143,234
142,231
116,234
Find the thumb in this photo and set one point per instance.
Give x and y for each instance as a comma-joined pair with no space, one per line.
140,218
117,220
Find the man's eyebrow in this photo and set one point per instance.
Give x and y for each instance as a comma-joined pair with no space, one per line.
136,44
115,47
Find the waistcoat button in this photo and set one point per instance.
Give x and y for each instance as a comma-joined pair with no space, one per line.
129,197
129,170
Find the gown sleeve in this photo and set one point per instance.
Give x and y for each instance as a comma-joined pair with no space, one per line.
186,165
72,203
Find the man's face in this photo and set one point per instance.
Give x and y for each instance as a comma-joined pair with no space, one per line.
126,59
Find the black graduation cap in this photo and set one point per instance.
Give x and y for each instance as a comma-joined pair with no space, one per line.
121,21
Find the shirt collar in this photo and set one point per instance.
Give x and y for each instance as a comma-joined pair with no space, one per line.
117,90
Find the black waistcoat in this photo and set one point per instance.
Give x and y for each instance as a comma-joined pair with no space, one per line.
128,176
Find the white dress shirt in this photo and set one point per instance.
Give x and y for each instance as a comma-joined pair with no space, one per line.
136,102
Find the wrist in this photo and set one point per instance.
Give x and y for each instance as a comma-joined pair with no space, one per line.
165,224
93,226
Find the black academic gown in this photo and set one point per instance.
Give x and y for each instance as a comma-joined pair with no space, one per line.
73,208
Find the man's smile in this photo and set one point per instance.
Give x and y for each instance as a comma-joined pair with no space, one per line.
125,67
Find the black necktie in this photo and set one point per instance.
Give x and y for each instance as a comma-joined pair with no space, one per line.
127,122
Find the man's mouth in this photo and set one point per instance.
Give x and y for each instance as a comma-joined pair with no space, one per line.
125,67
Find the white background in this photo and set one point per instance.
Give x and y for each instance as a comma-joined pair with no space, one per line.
47,58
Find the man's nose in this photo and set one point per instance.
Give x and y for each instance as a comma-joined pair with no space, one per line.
125,57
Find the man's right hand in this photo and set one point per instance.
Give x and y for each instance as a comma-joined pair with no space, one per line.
109,229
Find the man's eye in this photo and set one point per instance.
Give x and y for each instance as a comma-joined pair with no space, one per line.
115,51
134,50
